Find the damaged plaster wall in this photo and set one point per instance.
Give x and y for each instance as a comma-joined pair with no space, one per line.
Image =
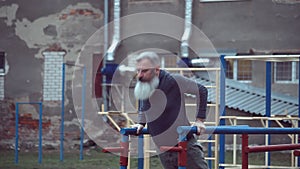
25,37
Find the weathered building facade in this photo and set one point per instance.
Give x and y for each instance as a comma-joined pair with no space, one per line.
37,35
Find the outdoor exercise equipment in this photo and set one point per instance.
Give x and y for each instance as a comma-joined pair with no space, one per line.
219,139
268,59
63,109
40,104
182,145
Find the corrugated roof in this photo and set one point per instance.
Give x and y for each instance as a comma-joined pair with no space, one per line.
243,97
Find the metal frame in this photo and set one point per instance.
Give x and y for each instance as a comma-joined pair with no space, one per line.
268,59
63,110
17,130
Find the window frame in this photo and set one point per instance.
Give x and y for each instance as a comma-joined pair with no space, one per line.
293,72
235,75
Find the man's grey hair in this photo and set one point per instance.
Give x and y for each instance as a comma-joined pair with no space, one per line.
152,56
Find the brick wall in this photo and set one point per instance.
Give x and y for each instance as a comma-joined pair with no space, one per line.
52,89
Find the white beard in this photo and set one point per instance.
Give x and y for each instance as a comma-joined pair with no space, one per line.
143,90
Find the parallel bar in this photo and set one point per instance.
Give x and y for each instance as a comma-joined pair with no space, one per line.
141,152
243,129
40,132
74,65
222,108
82,113
273,58
28,102
62,113
251,130
132,131
280,147
17,134
209,153
245,143
268,104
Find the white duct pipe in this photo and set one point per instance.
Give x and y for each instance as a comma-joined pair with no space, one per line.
187,29
116,37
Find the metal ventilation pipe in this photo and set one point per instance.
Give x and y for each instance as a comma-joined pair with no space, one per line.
116,37
187,29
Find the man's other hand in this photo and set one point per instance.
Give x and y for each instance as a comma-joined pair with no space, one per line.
200,126
138,127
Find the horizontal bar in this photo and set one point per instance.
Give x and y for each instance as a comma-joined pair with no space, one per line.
74,65
172,149
28,102
113,149
274,58
132,131
191,69
241,129
279,147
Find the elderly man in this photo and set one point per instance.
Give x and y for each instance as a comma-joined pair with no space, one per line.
162,108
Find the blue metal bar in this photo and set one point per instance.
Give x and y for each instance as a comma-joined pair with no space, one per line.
82,113
124,139
240,129
63,110
17,130
141,152
132,131
62,113
105,46
17,134
268,102
209,152
74,65
28,103
40,131
222,108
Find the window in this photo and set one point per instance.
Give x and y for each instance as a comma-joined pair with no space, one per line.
240,70
286,72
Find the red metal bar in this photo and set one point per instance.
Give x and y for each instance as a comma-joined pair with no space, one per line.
297,153
173,149
113,149
279,147
245,151
123,150
182,152
182,155
124,154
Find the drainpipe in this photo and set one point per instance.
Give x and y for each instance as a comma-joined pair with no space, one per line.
116,36
109,67
104,89
187,31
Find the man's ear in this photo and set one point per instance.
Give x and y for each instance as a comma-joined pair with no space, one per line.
157,71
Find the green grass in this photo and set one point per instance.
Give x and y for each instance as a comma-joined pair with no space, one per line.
95,159
277,158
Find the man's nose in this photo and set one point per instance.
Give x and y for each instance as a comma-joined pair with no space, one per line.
139,75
